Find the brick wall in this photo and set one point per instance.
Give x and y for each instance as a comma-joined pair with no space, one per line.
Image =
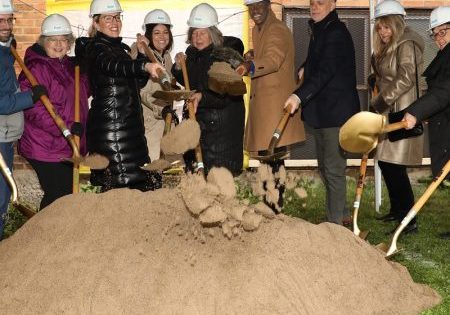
26,31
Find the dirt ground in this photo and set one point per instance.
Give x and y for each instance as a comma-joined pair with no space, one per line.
194,249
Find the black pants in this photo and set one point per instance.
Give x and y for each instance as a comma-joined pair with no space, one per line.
55,179
399,188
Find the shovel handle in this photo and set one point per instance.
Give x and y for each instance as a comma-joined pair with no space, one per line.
394,126
167,123
190,106
163,76
359,191
417,207
278,132
48,105
76,119
185,74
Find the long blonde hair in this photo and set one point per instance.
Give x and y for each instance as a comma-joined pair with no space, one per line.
397,25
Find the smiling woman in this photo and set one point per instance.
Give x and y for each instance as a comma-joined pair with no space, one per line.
42,144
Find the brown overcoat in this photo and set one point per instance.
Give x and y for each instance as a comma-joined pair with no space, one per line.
396,81
272,83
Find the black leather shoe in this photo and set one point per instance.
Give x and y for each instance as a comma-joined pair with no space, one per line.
444,236
387,218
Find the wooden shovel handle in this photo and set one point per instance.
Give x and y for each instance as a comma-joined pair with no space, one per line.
162,76
278,132
190,105
394,126
167,123
48,105
76,119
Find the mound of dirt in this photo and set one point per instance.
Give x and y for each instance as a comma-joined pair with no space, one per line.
186,251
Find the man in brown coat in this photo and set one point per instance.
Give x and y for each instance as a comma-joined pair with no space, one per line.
271,67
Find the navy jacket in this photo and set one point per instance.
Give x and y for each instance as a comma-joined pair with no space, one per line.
328,94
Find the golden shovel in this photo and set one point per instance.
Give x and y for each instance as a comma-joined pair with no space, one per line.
26,211
360,135
94,161
392,249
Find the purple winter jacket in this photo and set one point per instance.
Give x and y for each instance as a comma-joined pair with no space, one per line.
42,140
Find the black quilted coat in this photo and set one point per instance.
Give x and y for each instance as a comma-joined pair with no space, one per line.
221,117
115,126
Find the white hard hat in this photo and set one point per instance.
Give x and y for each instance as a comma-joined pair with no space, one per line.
104,6
439,16
247,2
6,7
156,16
203,16
389,7
55,24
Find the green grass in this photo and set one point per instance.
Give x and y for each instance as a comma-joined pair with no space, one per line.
426,256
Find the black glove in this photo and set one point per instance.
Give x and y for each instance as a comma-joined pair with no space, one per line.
37,91
77,129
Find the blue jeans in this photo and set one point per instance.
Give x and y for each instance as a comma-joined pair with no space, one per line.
7,151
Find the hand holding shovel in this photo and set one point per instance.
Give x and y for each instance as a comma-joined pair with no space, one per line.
163,76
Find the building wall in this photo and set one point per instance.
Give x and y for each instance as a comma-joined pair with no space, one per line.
26,32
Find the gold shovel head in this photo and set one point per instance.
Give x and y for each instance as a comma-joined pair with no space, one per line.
360,133
173,95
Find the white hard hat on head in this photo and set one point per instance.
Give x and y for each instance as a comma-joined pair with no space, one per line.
6,7
203,16
389,7
104,6
157,16
55,24
439,16
247,2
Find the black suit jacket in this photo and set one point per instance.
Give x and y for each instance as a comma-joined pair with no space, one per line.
328,94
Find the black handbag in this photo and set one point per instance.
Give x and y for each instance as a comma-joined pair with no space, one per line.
398,116
403,133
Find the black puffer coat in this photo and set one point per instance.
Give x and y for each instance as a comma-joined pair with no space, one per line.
115,126
221,117
435,106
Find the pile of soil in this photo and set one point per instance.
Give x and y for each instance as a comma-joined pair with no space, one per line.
194,249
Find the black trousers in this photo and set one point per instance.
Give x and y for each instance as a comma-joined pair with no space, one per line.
401,195
55,179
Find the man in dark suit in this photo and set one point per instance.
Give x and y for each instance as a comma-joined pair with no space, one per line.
328,97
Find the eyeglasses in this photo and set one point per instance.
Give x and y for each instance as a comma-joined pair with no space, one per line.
110,18
441,33
54,40
10,21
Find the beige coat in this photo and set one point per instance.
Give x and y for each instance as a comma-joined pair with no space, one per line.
272,83
154,124
396,81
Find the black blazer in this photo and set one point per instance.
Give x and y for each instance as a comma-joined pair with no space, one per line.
328,94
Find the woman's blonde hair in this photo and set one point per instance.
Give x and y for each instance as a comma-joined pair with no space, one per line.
397,25
214,33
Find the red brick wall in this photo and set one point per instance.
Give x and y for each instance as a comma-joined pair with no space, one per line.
26,31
